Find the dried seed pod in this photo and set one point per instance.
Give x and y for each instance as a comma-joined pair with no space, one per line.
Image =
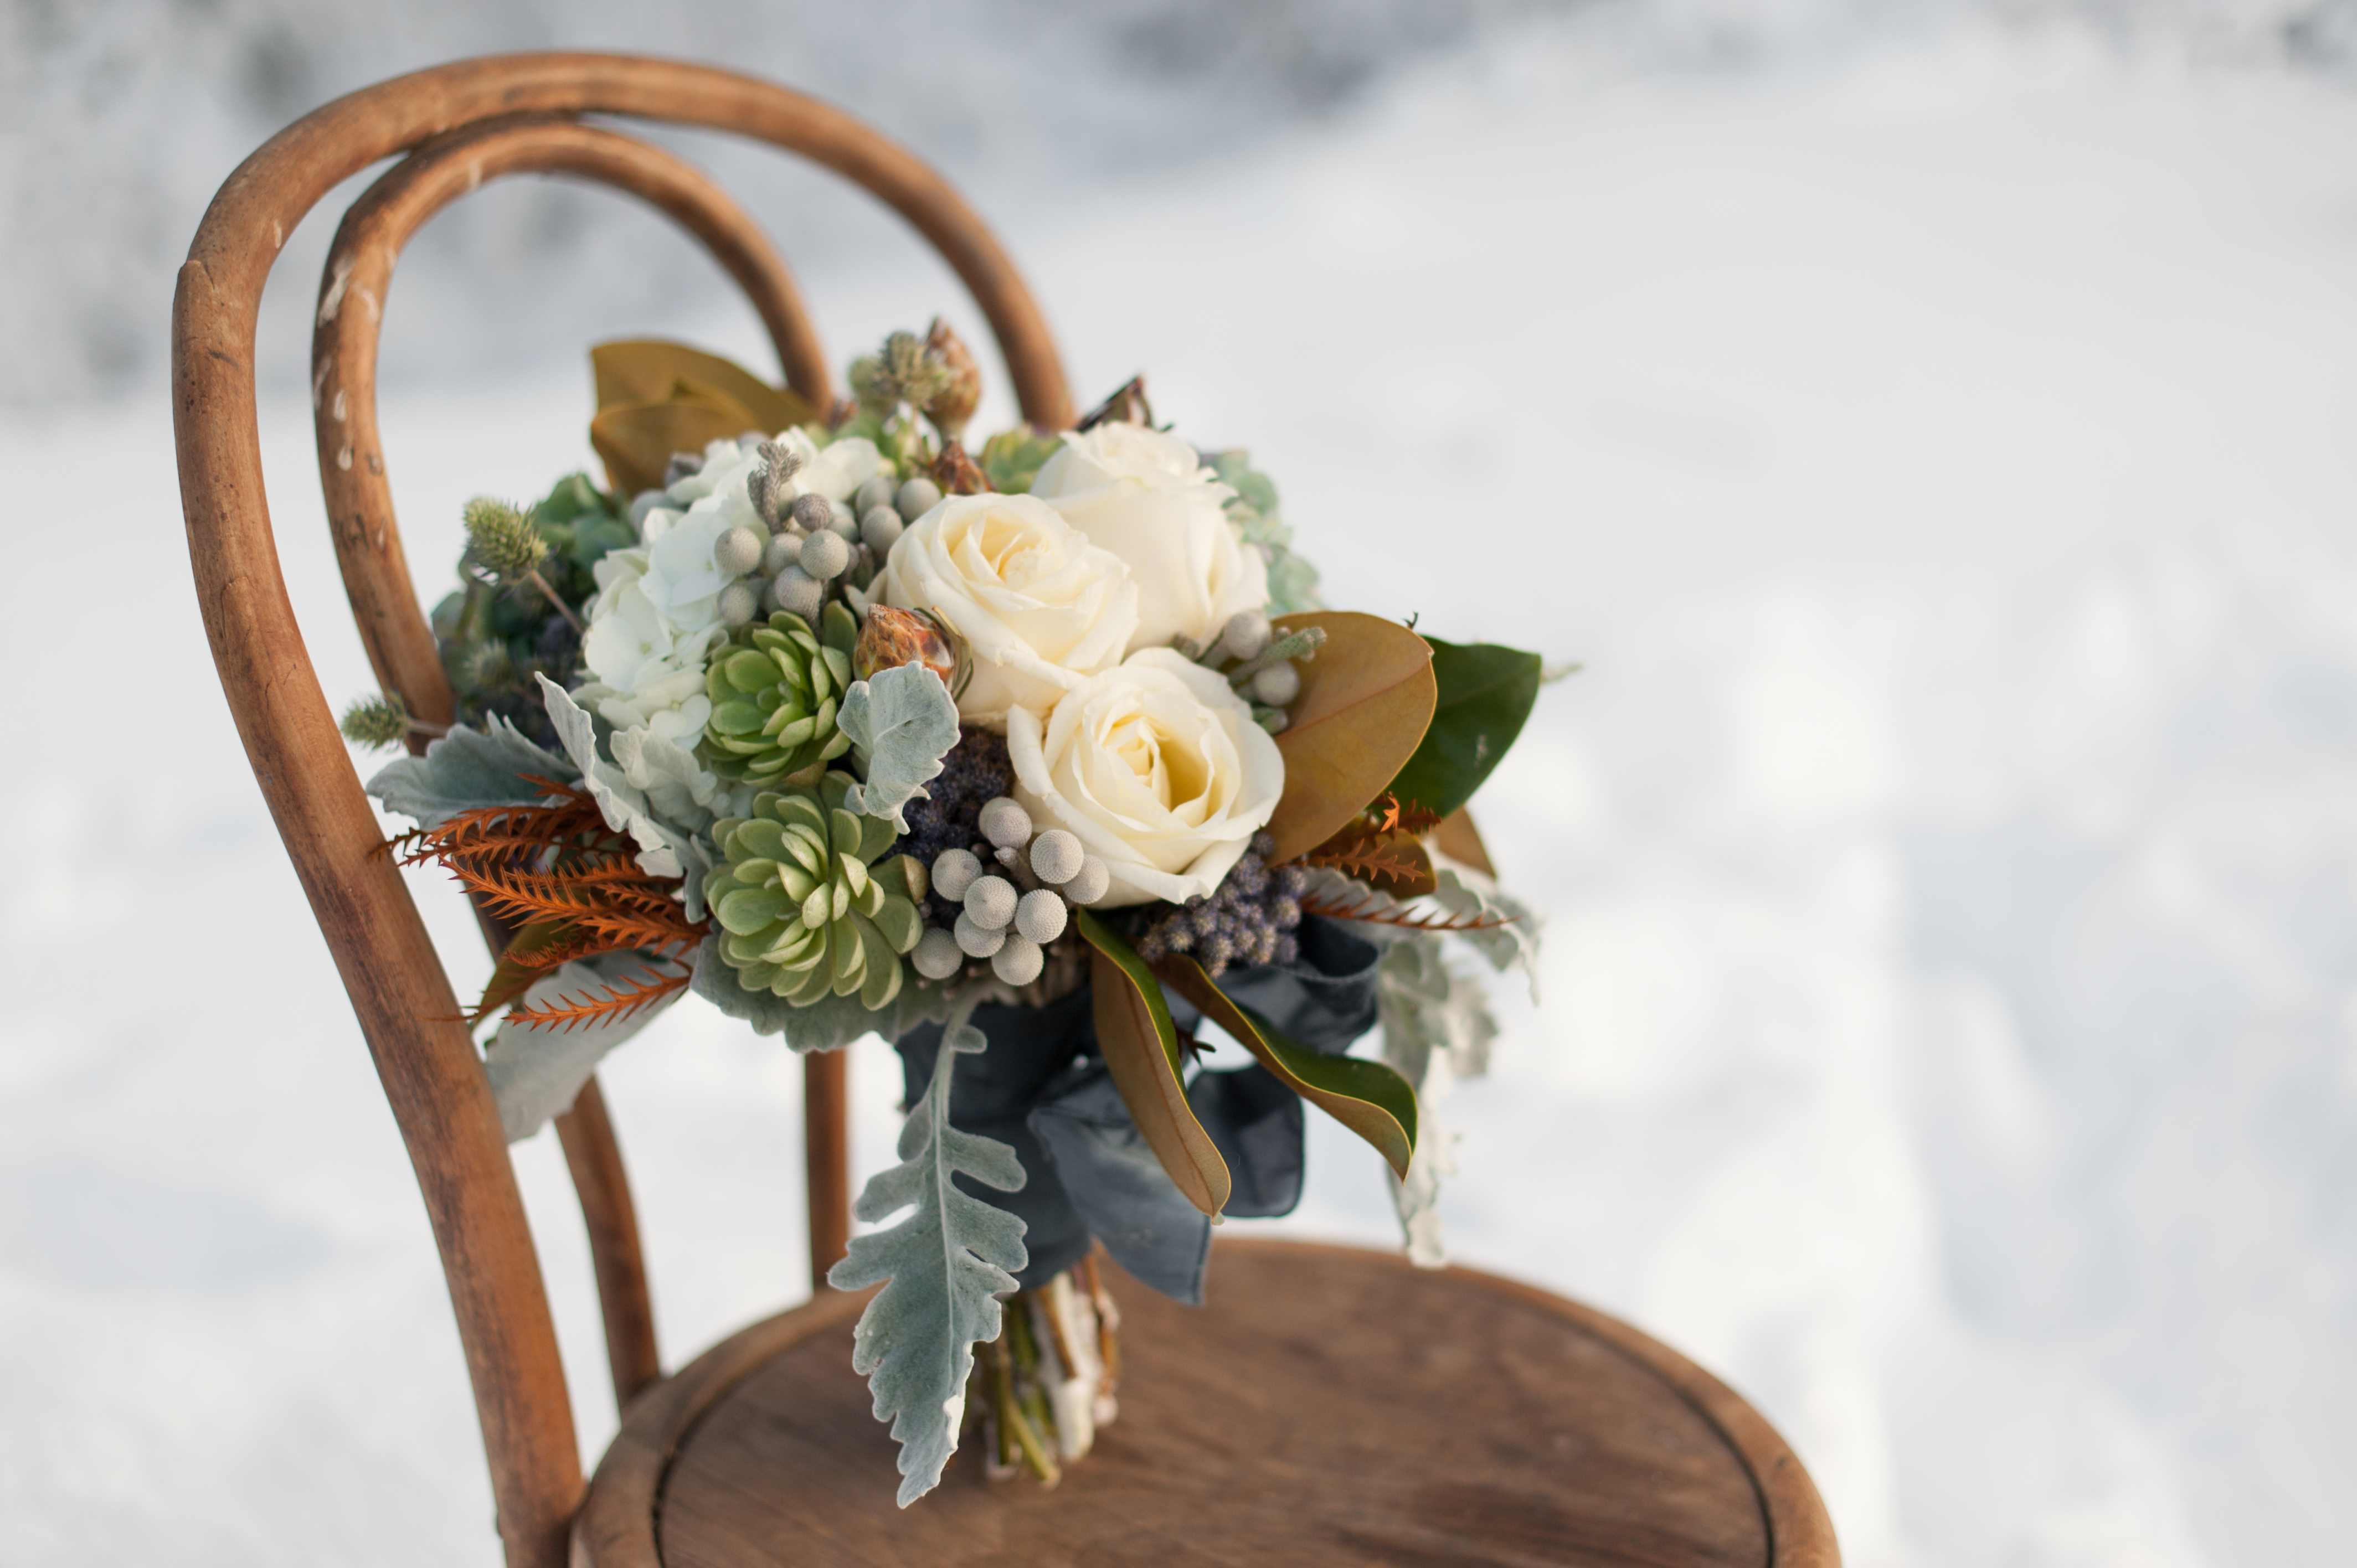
961,392
891,638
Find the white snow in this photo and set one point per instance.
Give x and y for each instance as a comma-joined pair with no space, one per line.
1939,454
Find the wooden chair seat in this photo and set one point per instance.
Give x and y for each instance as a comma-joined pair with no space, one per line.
1329,1405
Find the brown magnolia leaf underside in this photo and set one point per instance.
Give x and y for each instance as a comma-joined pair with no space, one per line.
656,398
1366,700
1141,1050
1457,838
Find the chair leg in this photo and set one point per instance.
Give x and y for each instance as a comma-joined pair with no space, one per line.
595,1161
826,1151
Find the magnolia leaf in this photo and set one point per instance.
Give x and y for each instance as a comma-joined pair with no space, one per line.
1142,1052
649,370
1485,694
1368,1098
943,1268
636,441
1365,701
1461,841
904,721
656,398
465,771
536,1072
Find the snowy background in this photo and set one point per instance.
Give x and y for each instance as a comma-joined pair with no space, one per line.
1930,422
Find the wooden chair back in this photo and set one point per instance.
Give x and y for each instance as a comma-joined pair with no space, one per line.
460,125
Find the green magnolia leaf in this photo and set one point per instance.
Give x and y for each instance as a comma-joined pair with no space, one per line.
943,1269
1143,1054
904,722
1485,692
1367,1097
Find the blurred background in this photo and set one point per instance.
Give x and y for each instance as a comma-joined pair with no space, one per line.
1929,421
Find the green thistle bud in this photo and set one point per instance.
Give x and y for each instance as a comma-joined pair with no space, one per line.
803,915
502,541
376,721
775,687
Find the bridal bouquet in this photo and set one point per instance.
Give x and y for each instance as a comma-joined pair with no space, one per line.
1037,760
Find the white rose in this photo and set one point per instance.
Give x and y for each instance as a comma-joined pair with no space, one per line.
1041,608
1148,498
1157,767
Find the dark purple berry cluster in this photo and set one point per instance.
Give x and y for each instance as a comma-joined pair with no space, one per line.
975,772
1249,919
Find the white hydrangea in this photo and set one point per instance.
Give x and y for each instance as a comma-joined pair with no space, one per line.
656,617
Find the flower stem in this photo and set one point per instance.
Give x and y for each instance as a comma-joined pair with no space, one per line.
562,608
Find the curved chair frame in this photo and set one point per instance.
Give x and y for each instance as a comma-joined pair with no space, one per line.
403,999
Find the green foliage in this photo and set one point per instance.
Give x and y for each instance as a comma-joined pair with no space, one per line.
801,914
495,639
943,1269
827,1024
1013,458
467,770
376,721
1292,581
775,688
1485,692
903,722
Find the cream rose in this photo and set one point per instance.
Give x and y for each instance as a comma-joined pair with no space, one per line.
1148,498
1157,767
1042,608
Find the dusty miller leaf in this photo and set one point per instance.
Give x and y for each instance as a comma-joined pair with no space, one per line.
464,771
903,722
1437,1028
664,850
536,1072
944,1268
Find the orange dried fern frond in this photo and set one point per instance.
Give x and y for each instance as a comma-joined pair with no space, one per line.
620,1001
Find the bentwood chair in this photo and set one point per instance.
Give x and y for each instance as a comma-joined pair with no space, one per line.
1329,1406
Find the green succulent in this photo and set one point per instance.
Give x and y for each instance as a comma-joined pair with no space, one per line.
803,910
774,688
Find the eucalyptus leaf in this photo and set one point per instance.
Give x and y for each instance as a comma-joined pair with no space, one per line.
943,1269
1485,694
904,722
466,770
536,1072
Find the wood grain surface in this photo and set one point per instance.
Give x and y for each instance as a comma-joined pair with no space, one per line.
1328,1406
